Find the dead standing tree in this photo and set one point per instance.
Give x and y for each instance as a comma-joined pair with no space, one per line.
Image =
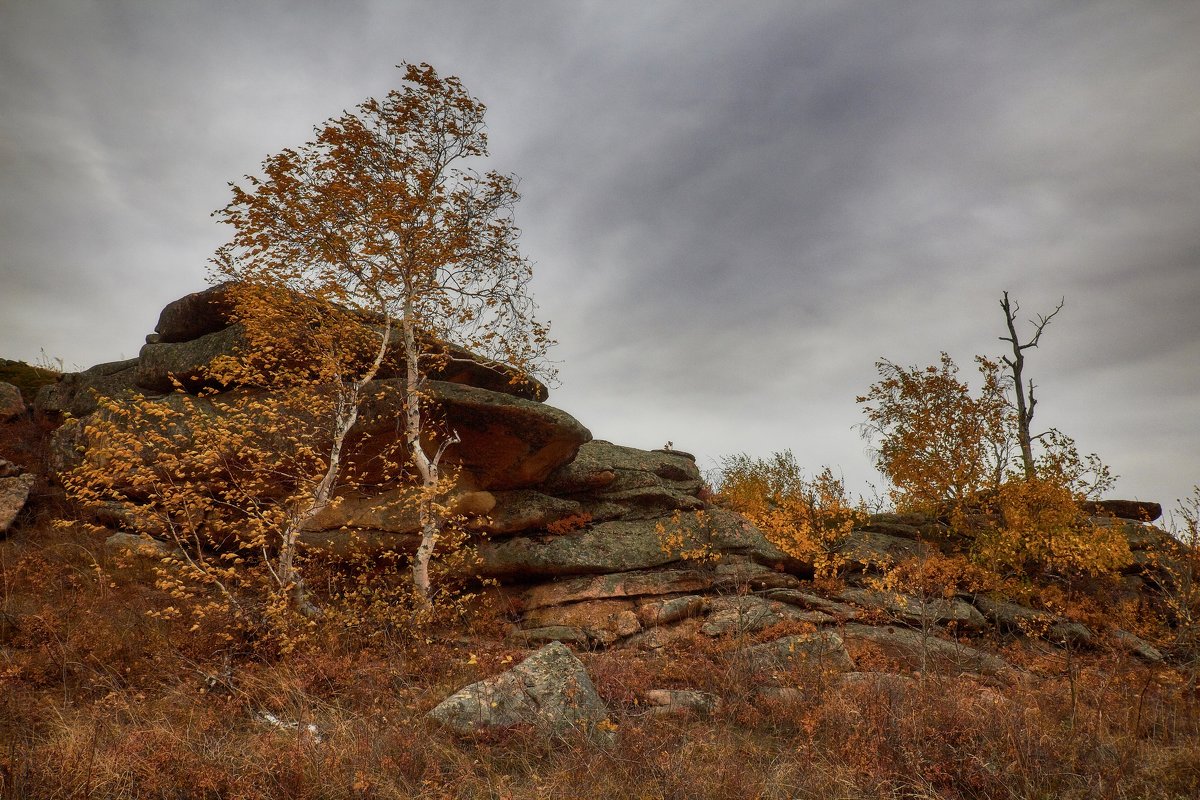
1024,392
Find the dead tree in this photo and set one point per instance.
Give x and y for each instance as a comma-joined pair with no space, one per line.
1025,398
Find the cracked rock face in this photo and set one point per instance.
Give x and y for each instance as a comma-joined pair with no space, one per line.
550,690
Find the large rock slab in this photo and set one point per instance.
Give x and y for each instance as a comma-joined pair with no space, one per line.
746,614
1140,510
917,651
506,442
77,393
550,690
622,546
161,364
14,493
873,551
195,315
605,468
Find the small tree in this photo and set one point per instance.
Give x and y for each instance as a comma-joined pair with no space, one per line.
378,216
938,443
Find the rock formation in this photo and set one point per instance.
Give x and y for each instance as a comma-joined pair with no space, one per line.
588,538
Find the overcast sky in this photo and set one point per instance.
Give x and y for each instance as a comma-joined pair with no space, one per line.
734,209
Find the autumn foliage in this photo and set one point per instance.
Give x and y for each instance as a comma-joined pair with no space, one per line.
809,519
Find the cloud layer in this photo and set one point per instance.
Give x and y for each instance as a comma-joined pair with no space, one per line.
733,213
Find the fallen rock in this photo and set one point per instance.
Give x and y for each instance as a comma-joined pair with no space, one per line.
917,651
680,702
14,493
12,405
550,690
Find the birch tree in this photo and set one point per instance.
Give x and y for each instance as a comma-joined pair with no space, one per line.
381,216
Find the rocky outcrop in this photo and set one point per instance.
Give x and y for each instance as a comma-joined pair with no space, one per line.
550,691
595,544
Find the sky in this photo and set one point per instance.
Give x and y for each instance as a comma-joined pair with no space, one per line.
733,210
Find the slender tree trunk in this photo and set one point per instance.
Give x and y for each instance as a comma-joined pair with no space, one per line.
427,468
345,416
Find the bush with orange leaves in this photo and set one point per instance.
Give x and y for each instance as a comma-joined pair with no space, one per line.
808,518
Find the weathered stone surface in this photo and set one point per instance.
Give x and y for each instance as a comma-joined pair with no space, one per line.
393,511
662,636
519,510
664,612
738,616
603,621
737,573
915,610
620,584
14,493
1135,645
550,690
1139,510
76,393
680,702
12,405
551,633
506,442
823,650
619,546
196,315
8,469
839,611
1014,618
185,361
916,651
868,550
613,468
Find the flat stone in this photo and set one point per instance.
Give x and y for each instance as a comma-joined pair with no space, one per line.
1135,645
620,584
738,616
603,621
